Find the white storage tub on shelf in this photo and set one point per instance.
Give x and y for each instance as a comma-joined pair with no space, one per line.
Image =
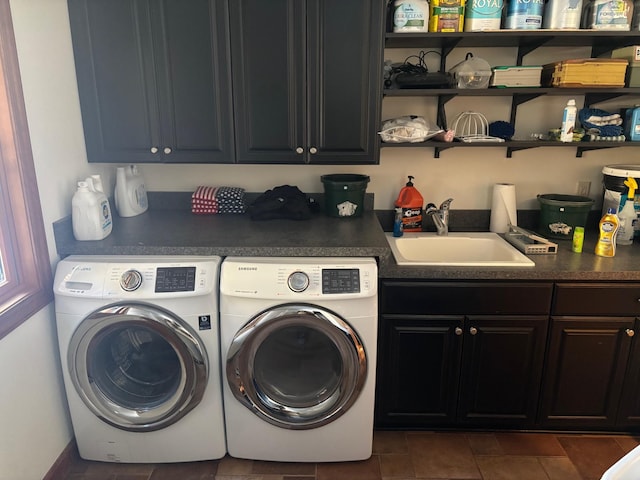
627,468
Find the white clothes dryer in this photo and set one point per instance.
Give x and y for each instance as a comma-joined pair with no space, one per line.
139,346
298,340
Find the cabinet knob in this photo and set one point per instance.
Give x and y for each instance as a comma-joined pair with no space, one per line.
473,331
299,150
154,149
630,332
458,331
167,150
313,150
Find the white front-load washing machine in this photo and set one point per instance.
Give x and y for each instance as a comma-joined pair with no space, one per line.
298,343
139,346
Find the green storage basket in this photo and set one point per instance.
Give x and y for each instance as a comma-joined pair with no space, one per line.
560,214
344,194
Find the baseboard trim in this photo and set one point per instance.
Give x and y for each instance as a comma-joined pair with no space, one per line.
62,465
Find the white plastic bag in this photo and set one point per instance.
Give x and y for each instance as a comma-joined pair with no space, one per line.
406,129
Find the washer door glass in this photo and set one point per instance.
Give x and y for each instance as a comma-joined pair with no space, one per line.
137,367
297,366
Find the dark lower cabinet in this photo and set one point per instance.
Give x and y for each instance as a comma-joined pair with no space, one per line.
307,79
154,80
592,372
501,370
585,371
629,411
482,368
418,370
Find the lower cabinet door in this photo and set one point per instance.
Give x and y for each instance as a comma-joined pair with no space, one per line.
584,371
501,370
418,370
629,412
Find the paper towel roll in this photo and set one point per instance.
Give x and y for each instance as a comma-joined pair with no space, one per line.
503,207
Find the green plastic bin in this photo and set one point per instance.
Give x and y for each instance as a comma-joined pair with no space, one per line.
344,194
560,214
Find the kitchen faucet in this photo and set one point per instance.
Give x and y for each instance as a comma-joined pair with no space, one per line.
440,216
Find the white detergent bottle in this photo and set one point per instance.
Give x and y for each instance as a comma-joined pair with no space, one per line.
568,121
627,215
90,214
130,193
97,183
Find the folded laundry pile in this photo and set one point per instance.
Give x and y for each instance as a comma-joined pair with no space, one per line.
600,125
207,200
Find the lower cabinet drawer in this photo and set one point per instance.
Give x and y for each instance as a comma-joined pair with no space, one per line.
465,298
595,299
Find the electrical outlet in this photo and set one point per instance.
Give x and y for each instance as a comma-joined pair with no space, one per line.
583,188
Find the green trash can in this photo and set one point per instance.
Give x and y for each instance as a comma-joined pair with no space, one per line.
344,194
560,214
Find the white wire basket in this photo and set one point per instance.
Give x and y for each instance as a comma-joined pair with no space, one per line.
473,127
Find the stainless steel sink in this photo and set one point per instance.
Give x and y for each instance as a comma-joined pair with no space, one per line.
458,249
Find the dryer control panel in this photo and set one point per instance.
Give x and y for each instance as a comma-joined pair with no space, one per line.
298,278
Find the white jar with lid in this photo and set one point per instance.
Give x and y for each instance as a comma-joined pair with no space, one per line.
410,16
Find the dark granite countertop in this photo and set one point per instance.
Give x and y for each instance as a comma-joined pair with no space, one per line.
178,232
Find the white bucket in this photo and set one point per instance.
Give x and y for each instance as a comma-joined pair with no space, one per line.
627,468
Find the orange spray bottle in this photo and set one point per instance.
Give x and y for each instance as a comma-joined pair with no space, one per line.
411,203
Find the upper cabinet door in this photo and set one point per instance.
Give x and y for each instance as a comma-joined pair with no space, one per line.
307,80
344,80
268,47
154,80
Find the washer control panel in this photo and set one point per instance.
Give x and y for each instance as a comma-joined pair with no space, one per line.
137,277
175,279
340,280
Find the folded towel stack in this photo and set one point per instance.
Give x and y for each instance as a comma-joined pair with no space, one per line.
601,125
208,200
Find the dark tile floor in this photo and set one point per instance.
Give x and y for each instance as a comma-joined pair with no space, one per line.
409,455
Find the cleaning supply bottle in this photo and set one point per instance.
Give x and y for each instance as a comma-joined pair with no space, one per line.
627,214
578,239
90,214
411,203
609,223
130,193
397,223
568,121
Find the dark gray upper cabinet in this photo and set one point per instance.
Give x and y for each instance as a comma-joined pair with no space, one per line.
307,77
154,80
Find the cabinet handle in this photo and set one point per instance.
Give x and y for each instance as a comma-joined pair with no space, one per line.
630,332
299,150
473,331
458,331
313,150
154,149
167,150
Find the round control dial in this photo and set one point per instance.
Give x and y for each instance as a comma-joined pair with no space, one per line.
298,281
131,280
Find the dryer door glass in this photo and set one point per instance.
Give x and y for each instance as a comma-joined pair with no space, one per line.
137,367
297,366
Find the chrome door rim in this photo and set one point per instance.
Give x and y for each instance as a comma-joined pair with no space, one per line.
245,344
190,351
